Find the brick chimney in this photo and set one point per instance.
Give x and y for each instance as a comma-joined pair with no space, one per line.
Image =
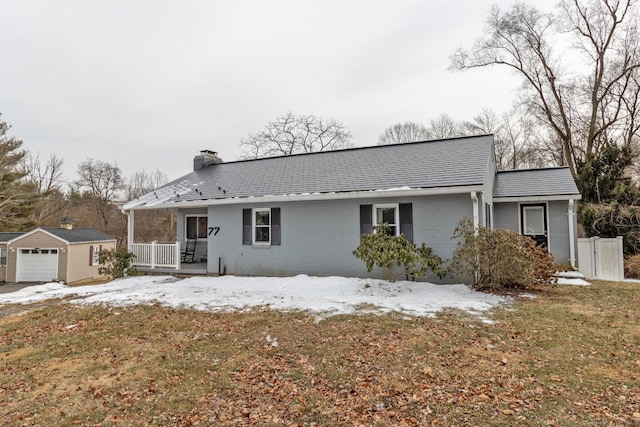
206,158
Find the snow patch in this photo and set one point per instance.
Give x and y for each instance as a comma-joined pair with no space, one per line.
324,296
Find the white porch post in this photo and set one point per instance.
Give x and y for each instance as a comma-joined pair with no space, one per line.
476,215
153,254
130,229
177,259
572,249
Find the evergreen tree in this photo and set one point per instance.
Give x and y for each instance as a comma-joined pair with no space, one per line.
17,198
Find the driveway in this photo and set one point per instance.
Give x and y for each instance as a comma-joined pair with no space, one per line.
12,287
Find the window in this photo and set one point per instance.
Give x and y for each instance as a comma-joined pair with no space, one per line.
196,227
94,254
487,216
3,256
398,216
261,226
386,214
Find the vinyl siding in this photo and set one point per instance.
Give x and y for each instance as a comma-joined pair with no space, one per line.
78,261
318,237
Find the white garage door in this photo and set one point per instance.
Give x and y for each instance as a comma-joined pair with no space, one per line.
37,265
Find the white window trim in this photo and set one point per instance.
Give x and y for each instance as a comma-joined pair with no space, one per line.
253,226
96,255
3,251
396,208
196,216
525,210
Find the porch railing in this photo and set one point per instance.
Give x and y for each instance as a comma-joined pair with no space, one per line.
155,254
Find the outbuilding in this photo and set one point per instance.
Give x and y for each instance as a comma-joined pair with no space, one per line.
47,254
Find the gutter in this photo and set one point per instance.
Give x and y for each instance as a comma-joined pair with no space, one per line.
374,194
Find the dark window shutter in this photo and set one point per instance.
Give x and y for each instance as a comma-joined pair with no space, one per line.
406,221
275,226
91,255
366,219
246,226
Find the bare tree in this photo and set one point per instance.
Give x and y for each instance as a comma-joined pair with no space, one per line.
290,134
444,126
48,179
143,182
401,133
588,106
103,182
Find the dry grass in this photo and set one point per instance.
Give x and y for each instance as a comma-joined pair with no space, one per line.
568,357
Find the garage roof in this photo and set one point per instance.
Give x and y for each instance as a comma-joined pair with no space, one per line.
75,235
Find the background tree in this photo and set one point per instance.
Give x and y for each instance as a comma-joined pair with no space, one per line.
290,134
156,224
17,198
587,106
48,179
401,133
444,126
142,182
102,182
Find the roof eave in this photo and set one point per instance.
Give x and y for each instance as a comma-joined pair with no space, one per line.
539,198
410,192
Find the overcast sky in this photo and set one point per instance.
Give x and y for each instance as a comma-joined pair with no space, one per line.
148,84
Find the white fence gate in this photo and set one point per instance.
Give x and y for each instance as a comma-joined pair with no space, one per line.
600,258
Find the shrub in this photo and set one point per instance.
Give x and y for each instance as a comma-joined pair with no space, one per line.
632,267
116,263
499,259
612,220
544,266
385,250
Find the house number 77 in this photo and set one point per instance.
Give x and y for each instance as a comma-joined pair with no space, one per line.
213,230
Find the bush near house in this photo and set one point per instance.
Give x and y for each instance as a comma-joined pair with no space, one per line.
116,263
500,259
384,249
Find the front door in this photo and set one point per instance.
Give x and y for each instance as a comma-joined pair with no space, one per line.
534,222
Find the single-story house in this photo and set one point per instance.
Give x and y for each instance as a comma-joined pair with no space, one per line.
305,213
68,254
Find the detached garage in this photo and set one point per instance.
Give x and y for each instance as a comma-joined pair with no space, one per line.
65,254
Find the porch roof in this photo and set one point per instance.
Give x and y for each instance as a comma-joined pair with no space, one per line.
449,163
544,182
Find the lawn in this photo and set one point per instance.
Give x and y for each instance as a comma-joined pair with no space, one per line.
569,356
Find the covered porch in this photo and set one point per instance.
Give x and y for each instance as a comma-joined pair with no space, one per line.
186,255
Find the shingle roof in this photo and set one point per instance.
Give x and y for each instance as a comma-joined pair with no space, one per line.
7,236
79,234
535,182
429,164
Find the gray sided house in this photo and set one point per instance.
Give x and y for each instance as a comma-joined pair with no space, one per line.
305,213
52,254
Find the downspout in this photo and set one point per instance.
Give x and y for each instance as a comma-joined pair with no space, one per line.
476,215
572,249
